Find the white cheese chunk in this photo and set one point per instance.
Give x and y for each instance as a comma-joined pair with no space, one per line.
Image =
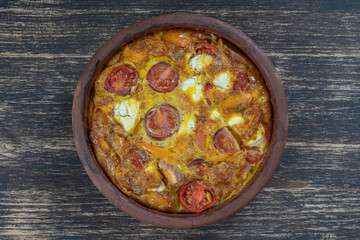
126,113
222,80
187,125
198,94
263,99
193,88
235,118
199,62
258,140
190,125
159,189
215,115
150,168
191,82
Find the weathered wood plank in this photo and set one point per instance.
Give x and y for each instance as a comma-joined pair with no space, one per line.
45,192
306,211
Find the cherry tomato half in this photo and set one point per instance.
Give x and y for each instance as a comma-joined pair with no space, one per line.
225,142
205,48
196,197
162,121
241,82
137,158
252,154
162,77
121,79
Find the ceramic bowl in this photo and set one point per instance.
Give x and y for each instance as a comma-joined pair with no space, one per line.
278,137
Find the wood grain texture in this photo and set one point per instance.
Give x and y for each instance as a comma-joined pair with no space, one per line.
44,190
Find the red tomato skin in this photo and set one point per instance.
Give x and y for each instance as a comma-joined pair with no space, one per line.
137,158
252,154
241,82
193,194
200,137
121,79
162,121
162,77
206,48
225,142
207,93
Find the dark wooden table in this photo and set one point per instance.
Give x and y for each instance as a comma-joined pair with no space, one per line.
44,190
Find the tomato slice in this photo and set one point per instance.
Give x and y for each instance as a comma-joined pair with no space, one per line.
196,197
162,121
205,48
200,137
137,158
121,79
252,154
162,77
241,82
225,142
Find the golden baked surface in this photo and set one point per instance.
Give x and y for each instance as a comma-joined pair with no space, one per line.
179,121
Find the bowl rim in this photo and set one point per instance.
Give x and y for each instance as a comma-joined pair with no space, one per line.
278,136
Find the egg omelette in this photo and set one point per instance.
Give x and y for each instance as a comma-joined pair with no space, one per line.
179,121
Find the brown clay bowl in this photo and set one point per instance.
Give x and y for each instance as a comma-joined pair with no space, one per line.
99,178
